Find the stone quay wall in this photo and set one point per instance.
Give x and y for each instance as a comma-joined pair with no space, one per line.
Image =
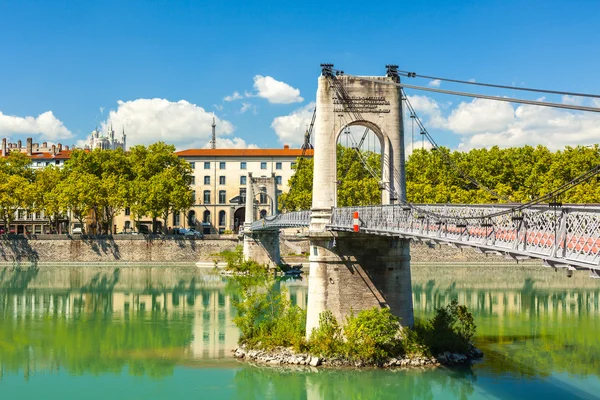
126,248
143,249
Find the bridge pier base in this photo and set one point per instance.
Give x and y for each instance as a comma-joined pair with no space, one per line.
356,273
262,247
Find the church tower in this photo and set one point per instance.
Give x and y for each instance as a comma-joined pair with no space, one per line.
213,142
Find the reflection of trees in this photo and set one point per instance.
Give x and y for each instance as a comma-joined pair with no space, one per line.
93,340
263,382
16,279
527,331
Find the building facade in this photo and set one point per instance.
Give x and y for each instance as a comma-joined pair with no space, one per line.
220,178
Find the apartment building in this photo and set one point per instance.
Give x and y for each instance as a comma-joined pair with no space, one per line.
219,182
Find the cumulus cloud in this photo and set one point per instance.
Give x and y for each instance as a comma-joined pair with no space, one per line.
533,125
275,91
290,128
247,107
435,83
481,115
428,110
180,123
46,125
234,96
233,143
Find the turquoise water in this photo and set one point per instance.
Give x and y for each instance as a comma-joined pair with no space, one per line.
154,333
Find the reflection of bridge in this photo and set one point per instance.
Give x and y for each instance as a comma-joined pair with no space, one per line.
360,257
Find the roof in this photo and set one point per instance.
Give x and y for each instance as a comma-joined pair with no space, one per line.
285,152
46,155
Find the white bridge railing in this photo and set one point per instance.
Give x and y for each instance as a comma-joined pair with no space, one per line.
567,236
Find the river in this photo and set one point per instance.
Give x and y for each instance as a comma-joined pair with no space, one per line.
154,333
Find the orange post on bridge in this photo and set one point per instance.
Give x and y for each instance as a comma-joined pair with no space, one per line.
356,222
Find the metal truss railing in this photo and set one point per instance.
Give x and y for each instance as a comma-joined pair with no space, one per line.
566,236
296,219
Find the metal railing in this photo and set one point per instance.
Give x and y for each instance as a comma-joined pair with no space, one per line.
567,236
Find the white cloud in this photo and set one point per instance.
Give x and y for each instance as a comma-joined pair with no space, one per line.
435,83
247,107
428,110
234,96
533,125
46,125
233,143
481,115
180,123
218,107
572,100
472,80
290,128
275,91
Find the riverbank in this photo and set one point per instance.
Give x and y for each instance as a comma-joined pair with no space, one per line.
286,356
123,249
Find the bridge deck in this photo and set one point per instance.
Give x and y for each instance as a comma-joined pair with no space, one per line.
567,237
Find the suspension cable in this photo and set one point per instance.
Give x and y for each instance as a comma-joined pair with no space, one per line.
415,75
482,96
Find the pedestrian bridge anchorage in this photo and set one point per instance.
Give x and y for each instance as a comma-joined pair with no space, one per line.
562,237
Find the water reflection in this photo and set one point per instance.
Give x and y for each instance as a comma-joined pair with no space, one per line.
99,320
538,331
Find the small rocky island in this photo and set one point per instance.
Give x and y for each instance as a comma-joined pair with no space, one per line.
287,356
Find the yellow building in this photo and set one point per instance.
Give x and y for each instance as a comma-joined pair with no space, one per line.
220,179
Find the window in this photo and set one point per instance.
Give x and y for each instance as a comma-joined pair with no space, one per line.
176,219
263,198
242,195
193,165
263,165
206,216
221,180
278,180
293,165
207,197
243,165
222,217
207,179
193,182
222,197
57,162
194,196
242,180
222,165
38,215
278,165
206,165
127,211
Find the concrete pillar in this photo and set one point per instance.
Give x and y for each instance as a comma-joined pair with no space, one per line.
273,194
360,271
262,247
356,273
249,217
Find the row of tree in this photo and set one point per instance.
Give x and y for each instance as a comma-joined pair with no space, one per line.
150,181
518,174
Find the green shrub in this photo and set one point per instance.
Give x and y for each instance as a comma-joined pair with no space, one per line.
451,329
372,335
326,340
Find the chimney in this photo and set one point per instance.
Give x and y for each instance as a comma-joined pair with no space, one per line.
29,145
67,148
19,144
286,146
45,145
53,150
4,147
59,147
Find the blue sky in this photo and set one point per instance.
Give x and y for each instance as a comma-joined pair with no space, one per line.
163,67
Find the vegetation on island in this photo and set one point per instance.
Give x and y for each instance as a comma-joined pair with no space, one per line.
518,173
150,181
267,319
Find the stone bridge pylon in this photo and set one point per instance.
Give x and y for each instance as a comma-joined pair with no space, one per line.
350,272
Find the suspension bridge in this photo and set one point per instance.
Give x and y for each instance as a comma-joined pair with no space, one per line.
360,256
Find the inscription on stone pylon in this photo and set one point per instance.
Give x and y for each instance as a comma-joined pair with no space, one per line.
361,104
